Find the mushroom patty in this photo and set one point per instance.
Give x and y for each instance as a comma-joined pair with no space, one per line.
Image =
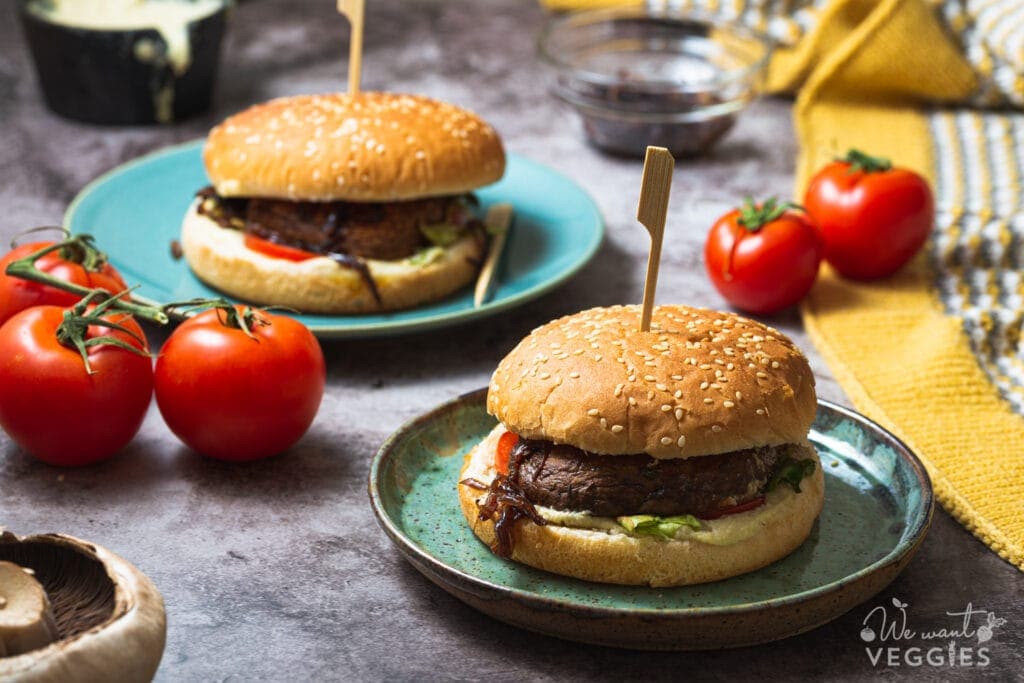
567,478
373,230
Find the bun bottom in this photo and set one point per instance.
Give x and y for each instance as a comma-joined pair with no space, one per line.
780,527
218,256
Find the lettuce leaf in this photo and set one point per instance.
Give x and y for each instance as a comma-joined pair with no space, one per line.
441,234
651,525
426,256
791,472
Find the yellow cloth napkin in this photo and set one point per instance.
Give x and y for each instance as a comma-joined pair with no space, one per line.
936,353
933,353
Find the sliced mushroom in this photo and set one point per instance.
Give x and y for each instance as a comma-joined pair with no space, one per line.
26,618
108,617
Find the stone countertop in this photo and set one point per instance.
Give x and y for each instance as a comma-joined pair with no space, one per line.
277,570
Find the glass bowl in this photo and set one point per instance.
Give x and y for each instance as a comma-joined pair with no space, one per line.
644,76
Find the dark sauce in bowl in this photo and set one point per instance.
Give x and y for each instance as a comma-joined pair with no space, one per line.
640,77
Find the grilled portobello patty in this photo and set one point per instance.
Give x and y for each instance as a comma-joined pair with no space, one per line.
567,478
371,230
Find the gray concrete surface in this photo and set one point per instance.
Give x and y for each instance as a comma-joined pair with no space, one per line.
277,570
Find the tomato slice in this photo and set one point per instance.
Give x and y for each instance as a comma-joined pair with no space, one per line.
274,250
736,509
506,443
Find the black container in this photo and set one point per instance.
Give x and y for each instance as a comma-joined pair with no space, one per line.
95,76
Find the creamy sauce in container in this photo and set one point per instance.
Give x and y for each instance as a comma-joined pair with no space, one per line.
169,18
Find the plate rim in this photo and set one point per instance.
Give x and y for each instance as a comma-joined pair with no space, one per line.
416,324
914,536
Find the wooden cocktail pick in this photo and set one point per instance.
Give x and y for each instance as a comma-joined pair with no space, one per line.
651,212
354,10
498,222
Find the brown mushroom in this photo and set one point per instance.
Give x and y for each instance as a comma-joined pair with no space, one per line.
26,618
108,617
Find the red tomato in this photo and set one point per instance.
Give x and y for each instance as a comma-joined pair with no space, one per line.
17,294
506,443
763,258
232,396
873,217
52,407
274,250
736,509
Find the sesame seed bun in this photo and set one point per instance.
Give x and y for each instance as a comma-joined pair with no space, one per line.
729,546
219,257
372,146
701,382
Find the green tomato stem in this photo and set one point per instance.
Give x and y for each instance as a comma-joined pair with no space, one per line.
861,162
75,325
25,269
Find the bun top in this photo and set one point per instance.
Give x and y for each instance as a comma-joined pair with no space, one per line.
700,382
369,147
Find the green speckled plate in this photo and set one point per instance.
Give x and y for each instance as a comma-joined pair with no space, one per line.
878,505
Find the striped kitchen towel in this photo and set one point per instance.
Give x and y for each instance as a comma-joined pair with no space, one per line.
935,353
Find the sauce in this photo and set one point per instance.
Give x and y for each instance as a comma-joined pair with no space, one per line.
169,18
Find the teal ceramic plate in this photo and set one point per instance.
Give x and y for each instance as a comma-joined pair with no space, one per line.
135,212
878,505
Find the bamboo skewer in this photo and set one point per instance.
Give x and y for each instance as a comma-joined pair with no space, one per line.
498,222
354,11
651,212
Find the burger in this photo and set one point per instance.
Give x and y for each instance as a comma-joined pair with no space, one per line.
343,203
663,458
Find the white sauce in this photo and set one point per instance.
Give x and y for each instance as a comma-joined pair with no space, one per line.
169,18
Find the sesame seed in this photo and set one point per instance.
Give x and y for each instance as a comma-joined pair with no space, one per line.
598,357
739,396
574,374
704,385
604,423
679,413
666,440
728,404
632,401
679,393
775,365
593,412
650,395
760,411
709,400
681,441
618,389
661,387
716,428
649,378
545,375
762,375
730,366
677,377
705,366
617,428
666,408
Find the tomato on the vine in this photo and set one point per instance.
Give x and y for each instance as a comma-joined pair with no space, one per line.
69,264
235,383
873,217
763,257
69,405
